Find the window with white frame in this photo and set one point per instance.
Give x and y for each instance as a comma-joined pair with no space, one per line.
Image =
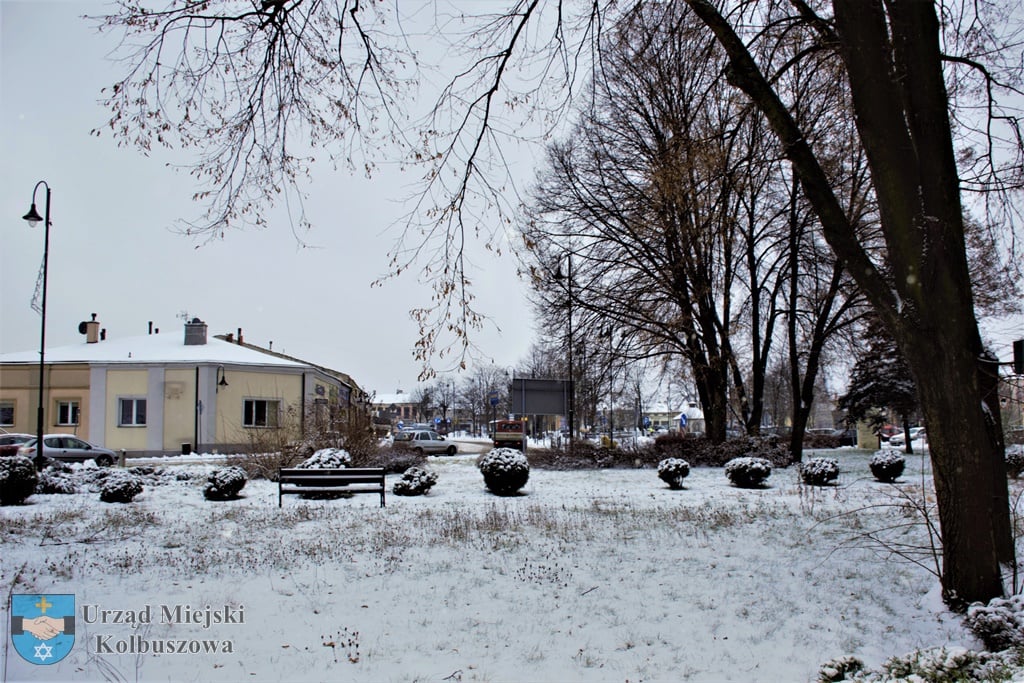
67,413
6,413
132,412
260,412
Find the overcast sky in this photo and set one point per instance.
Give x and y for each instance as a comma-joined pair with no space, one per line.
113,251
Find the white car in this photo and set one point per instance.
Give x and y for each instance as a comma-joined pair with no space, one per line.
424,442
68,447
900,439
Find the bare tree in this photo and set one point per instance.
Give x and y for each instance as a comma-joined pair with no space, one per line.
892,56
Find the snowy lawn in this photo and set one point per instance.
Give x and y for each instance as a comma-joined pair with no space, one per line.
586,576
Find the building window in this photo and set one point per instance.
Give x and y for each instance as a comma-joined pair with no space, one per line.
67,413
260,413
132,412
6,413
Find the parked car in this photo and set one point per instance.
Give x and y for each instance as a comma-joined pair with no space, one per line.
11,442
900,439
847,437
69,448
887,431
424,442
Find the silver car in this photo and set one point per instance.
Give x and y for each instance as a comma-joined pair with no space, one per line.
424,442
69,448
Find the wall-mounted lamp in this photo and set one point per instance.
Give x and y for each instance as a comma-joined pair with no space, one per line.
222,380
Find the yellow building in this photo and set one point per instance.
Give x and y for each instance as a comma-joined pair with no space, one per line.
164,393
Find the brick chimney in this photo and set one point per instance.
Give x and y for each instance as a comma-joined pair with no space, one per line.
195,332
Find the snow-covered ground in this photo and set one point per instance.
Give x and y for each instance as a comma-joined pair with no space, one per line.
587,576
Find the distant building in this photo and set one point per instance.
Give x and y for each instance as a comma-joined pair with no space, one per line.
397,407
167,393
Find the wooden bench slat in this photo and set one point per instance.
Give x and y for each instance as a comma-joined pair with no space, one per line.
344,480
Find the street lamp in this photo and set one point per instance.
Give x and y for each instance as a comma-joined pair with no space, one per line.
33,219
572,391
611,389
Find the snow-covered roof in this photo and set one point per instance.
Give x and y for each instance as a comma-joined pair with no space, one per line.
154,348
390,399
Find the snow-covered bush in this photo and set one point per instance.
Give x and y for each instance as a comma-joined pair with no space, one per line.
819,471
747,472
936,665
505,471
1000,623
1015,460
327,459
120,487
946,664
17,479
837,669
415,481
672,471
887,465
53,481
225,483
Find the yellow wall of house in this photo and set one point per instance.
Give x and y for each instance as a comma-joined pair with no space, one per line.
179,407
243,385
125,384
18,384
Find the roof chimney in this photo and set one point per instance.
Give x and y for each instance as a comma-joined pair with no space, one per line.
239,335
92,330
151,327
195,332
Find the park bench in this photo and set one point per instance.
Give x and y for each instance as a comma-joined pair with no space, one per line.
344,480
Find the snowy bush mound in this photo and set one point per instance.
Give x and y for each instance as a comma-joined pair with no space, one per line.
17,479
748,472
887,465
225,483
505,471
56,481
120,487
1000,623
819,471
327,459
938,665
415,481
1015,460
672,471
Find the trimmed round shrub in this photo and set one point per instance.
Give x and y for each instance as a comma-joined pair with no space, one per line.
819,471
327,459
224,484
672,471
415,482
120,487
505,471
748,472
887,465
1000,623
1014,460
51,481
18,479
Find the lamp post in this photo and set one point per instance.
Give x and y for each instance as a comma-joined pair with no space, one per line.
611,390
33,219
572,391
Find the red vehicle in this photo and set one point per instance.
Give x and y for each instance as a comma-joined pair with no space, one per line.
509,434
10,443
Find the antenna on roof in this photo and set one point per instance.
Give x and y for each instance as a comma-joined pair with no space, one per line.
183,315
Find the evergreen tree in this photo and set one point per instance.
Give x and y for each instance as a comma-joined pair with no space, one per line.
880,382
